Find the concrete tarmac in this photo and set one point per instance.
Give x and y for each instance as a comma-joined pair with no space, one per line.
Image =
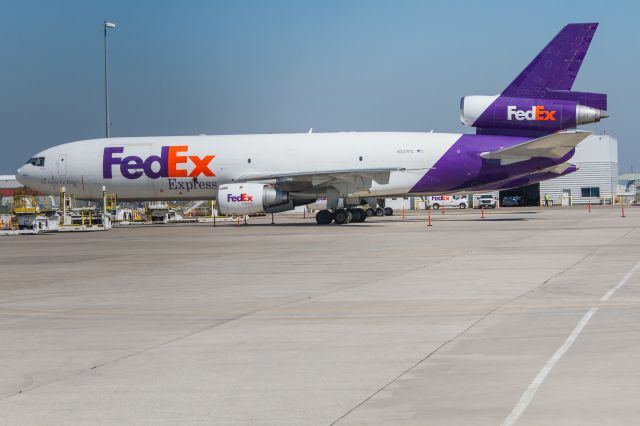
384,323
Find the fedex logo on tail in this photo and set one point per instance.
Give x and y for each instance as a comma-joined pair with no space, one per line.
173,162
536,113
242,198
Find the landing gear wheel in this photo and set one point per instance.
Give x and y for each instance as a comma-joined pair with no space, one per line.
363,215
324,217
342,217
358,215
379,211
388,211
370,212
354,215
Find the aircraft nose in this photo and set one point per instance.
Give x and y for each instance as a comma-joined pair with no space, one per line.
28,174
23,176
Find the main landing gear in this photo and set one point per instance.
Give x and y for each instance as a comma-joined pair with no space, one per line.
379,211
341,216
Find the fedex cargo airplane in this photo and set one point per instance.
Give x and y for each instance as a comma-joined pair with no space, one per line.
524,135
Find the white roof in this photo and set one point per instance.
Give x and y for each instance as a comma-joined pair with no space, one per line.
630,176
9,182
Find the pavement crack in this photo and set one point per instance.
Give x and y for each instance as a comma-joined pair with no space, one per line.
219,324
150,348
478,321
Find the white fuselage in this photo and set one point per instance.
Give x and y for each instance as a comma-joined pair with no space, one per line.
83,168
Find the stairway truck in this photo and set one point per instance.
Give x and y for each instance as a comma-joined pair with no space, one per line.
448,201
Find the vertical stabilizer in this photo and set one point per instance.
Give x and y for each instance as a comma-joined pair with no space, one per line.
556,66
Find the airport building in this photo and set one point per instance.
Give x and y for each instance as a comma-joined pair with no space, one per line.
629,188
8,185
595,181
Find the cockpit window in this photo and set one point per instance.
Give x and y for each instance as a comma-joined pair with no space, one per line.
36,161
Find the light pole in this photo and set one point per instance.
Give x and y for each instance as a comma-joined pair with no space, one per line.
107,124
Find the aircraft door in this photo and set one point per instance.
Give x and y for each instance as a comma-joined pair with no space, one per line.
62,164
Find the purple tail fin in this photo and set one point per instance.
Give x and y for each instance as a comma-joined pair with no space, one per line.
556,66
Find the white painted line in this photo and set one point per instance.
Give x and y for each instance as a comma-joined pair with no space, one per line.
621,283
528,395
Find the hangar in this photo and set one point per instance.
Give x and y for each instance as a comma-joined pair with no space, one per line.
595,181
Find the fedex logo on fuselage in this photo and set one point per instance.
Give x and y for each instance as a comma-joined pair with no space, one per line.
536,113
171,163
242,198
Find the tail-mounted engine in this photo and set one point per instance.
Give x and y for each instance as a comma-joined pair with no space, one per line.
540,100
514,113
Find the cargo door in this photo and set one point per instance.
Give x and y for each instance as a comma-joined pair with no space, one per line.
62,164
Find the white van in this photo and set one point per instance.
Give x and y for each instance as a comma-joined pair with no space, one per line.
459,201
485,201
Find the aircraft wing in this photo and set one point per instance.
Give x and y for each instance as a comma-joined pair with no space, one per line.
360,177
555,145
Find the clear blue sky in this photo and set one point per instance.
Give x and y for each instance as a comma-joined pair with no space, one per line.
189,67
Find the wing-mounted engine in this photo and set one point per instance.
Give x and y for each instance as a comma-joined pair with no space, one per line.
251,198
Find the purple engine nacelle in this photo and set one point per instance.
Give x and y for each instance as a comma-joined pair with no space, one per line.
514,113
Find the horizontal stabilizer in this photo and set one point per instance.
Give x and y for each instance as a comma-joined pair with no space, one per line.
555,146
527,179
